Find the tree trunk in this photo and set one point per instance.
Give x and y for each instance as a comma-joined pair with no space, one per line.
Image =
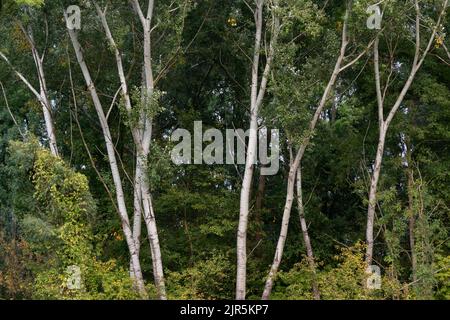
255,102
283,232
373,194
120,198
137,216
46,106
50,128
142,134
142,160
42,95
306,239
244,210
152,231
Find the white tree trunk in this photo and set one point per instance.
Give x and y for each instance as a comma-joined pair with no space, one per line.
142,157
256,98
284,229
46,106
142,133
244,210
150,221
137,216
120,198
373,196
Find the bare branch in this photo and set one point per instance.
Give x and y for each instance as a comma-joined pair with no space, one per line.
138,10
21,77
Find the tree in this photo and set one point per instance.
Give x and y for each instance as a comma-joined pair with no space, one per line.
42,95
419,58
258,90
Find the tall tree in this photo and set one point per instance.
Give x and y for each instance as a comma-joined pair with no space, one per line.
120,197
384,123
258,90
42,94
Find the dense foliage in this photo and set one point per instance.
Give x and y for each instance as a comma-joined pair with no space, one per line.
58,211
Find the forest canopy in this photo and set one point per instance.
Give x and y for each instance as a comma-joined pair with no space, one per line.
241,149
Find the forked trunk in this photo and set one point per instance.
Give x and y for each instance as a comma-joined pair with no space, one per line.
120,198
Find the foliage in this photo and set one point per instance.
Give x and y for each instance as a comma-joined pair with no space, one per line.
57,212
208,279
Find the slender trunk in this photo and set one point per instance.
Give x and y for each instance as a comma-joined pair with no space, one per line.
258,91
137,216
46,106
120,198
244,210
42,95
373,194
241,245
142,134
48,118
283,232
137,136
146,123
306,239
152,231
